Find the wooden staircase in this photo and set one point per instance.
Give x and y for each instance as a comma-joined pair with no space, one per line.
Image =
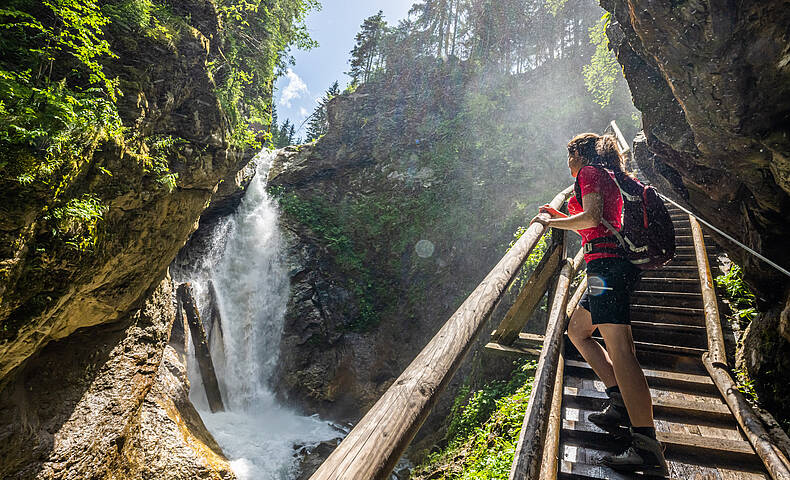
707,427
701,436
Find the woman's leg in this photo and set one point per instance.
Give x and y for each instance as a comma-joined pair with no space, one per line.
580,330
629,374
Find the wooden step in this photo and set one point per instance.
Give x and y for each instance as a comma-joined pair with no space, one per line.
671,334
643,347
679,446
666,406
673,271
580,463
667,379
690,311
653,281
655,360
667,299
644,314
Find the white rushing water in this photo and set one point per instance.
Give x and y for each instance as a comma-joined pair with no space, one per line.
246,267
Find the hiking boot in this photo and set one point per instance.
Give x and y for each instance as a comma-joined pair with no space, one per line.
613,418
644,455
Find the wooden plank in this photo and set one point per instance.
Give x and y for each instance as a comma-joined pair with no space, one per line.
663,404
526,463
659,347
701,380
373,447
680,445
512,351
529,297
718,353
776,463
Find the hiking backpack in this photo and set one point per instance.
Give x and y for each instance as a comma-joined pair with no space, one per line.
647,235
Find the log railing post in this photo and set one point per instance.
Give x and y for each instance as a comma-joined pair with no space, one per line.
716,347
526,463
530,295
715,361
374,446
551,447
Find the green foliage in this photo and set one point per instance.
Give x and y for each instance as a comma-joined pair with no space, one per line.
47,127
603,71
151,20
532,260
77,222
318,122
746,385
554,6
738,295
742,311
324,221
484,429
366,57
51,114
255,39
157,162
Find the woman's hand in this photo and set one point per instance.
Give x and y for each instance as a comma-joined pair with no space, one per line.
552,211
541,219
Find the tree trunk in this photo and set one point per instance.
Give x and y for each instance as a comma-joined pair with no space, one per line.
202,353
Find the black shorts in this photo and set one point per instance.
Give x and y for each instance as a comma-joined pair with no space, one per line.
610,282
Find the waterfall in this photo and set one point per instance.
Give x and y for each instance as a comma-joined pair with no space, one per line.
246,266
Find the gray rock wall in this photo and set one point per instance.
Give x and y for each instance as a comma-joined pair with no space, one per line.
712,80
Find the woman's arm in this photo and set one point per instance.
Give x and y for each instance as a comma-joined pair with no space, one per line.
589,218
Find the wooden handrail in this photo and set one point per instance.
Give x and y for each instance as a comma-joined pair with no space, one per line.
373,447
715,361
715,337
773,458
526,464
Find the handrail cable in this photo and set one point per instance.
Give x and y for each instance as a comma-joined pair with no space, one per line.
727,236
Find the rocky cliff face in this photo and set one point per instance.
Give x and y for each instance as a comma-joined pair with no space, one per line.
712,80
83,336
371,277
103,403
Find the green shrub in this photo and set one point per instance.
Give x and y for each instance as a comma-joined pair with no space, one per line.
484,430
77,222
738,295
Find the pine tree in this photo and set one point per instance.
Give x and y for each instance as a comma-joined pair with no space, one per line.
291,138
274,128
366,56
283,134
318,122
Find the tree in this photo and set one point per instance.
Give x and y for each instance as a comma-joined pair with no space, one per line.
318,122
366,56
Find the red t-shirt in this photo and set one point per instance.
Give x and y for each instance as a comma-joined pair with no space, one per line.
591,180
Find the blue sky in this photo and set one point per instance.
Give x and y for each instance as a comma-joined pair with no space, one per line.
334,28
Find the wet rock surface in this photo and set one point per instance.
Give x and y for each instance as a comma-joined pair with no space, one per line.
712,80
174,443
99,405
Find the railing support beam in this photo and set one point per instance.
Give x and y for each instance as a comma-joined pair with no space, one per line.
526,464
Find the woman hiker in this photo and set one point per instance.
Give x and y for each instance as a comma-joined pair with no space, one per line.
605,305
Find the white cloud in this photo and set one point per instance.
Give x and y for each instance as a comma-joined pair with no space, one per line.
295,89
303,112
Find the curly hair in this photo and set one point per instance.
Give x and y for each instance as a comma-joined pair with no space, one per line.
601,150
